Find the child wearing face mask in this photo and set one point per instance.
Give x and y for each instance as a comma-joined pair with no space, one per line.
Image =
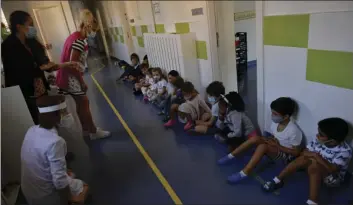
159,89
176,100
193,98
171,90
214,92
284,144
326,159
233,125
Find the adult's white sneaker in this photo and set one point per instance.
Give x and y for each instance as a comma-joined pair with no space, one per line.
100,134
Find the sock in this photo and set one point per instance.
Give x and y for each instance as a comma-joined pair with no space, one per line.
276,180
230,156
311,202
242,174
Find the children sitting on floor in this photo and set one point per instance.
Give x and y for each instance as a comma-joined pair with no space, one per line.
176,99
326,158
234,126
158,91
285,143
141,79
131,70
199,109
147,84
165,105
214,92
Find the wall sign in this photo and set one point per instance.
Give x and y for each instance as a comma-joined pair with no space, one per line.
197,11
244,15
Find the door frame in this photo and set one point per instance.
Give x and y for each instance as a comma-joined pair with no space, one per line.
212,10
35,10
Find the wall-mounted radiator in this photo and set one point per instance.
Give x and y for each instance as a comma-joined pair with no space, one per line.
174,52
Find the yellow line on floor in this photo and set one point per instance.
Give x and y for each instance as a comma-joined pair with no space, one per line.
148,159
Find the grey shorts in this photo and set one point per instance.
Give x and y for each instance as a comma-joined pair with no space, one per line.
287,158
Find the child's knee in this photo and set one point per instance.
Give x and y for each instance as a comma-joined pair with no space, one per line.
201,129
205,117
314,168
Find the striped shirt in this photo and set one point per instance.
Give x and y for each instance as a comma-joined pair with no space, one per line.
81,45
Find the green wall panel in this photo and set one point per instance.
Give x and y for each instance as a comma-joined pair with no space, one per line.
160,28
287,30
133,30
201,50
144,29
121,37
140,41
330,67
182,28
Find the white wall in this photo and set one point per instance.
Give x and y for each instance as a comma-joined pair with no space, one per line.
28,6
285,71
171,12
247,25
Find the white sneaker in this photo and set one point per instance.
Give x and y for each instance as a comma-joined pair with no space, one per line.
100,134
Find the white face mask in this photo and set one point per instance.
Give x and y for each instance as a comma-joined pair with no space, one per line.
183,120
92,34
211,100
67,121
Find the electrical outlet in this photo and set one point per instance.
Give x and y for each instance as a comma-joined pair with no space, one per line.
197,11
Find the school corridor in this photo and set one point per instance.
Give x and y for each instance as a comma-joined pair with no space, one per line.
145,163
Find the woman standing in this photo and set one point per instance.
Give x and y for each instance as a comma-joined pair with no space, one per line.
24,61
71,82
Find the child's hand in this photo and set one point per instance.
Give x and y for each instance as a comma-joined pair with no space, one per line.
272,142
198,122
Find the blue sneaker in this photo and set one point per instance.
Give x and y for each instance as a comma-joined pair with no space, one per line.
235,178
224,160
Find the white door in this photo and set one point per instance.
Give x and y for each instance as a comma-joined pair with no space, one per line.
53,29
226,44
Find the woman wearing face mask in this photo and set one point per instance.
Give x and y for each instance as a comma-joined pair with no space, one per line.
24,61
71,82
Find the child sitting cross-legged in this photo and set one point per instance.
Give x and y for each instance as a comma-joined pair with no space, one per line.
141,79
325,159
146,85
233,124
158,91
192,97
176,100
214,91
284,144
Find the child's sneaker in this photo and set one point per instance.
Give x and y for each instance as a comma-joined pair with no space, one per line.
224,160
219,138
145,99
272,186
170,123
236,178
188,125
166,118
161,113
100,134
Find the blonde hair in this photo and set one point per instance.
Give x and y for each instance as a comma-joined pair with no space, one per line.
86,17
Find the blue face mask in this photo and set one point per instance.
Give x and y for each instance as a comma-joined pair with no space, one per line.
276,118
32,32
92,34
211,100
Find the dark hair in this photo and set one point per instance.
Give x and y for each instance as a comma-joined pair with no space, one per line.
284,106
187,87
150,71
215,89
144,65
145,57
179,82
134,55
50,119
235,101
159,70
173,73
18,17
334,128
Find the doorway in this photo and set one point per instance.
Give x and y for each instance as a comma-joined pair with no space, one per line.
236,31
53,29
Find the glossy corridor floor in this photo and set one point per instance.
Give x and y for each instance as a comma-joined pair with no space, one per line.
118,173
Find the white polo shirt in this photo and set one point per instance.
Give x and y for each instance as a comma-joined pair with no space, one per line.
43,163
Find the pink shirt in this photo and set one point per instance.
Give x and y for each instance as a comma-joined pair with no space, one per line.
77,42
